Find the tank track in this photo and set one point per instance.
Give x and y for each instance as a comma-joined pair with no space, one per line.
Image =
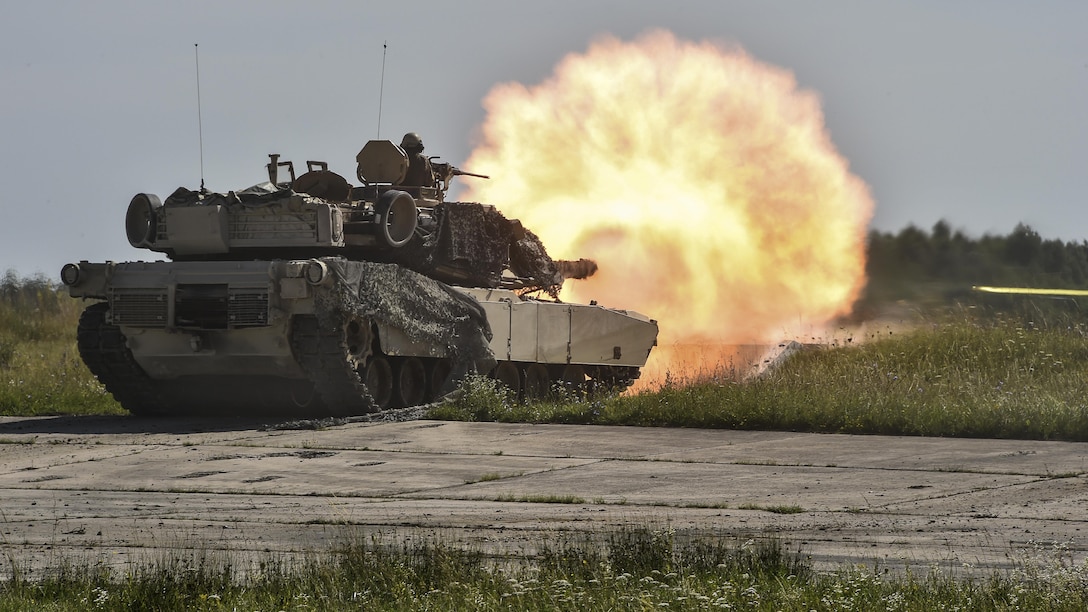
614,379
102,347
536,381
323,353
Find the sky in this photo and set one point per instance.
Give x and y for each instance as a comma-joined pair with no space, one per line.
974,112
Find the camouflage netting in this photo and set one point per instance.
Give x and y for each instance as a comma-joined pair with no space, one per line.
257,195
475,243
475,234
426,310
260,194
529,259
470,246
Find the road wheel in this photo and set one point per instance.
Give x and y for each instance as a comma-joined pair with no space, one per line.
574,378
508,374
378,378
538,383
411,382
440,371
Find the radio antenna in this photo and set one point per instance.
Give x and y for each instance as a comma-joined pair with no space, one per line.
199,119
381,87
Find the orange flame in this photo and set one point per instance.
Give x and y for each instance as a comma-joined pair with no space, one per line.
702,181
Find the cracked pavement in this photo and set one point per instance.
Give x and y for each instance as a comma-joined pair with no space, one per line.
123,491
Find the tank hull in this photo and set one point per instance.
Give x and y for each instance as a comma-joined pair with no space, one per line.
329,336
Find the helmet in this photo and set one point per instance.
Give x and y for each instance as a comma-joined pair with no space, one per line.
411,140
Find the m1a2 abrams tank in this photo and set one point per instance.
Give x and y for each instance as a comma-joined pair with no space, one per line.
312,296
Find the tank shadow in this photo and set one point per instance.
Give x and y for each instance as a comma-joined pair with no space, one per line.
76,425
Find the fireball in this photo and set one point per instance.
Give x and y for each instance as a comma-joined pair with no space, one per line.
703,182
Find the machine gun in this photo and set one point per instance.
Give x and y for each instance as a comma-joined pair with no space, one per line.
444,172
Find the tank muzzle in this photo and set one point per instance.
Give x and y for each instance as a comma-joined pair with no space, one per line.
141,219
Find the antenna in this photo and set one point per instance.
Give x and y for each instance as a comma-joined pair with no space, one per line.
199,119
381,88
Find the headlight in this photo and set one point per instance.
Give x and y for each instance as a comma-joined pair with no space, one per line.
69,274
337,225
315,272
140,219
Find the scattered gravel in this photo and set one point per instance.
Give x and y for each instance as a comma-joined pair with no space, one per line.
398,415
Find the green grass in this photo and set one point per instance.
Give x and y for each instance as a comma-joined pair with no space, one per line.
967,375
40,369
634,568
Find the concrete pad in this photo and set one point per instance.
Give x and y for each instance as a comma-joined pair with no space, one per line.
122,491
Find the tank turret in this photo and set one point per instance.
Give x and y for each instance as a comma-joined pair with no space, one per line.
320,214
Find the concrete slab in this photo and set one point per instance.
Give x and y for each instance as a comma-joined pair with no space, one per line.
120,490
277,471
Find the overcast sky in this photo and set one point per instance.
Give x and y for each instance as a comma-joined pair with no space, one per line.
972,111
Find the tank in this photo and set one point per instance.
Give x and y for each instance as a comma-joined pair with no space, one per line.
312,296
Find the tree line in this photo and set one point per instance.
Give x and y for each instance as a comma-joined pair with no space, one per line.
947,260
36,293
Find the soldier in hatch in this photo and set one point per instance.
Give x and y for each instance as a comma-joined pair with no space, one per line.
419,173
